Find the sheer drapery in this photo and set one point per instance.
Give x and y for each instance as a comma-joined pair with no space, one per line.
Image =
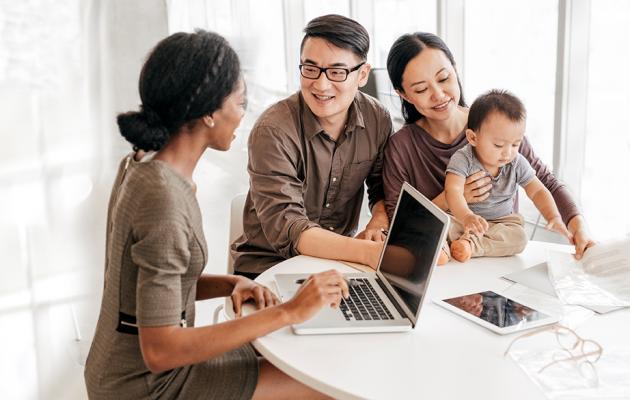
66,68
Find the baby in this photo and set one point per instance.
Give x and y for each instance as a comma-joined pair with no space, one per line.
496,126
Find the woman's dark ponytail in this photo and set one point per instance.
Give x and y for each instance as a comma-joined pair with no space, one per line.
144,130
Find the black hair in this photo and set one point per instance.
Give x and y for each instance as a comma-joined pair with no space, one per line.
186,76
404,49
496,100
340,31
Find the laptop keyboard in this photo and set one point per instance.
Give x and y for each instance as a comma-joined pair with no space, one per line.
363,303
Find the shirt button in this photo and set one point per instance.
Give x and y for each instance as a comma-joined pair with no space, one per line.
327,205
331,228
334,179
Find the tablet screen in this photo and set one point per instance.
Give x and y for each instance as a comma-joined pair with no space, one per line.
496,309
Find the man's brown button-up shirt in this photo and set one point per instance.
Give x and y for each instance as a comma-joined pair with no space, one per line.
301,178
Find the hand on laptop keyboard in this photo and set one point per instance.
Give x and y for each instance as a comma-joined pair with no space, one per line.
363,304
319,290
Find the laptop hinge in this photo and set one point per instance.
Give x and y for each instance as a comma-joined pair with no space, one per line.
390,297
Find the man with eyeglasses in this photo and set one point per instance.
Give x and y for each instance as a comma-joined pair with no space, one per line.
310,156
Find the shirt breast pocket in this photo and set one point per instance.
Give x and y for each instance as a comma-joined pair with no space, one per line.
353,178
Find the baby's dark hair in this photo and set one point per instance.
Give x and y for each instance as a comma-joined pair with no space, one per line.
186,76
341,31
496,100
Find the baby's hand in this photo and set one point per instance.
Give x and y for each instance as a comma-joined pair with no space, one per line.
475,224
555,224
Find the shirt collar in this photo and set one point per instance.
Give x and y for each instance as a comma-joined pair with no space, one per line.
312,126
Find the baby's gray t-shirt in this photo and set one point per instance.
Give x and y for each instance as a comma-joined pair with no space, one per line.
500,203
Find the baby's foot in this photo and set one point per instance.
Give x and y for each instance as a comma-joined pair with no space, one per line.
442,258
461,250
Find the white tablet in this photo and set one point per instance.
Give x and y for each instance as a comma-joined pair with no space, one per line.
497,312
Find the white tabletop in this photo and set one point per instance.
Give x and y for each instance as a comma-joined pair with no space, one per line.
444,357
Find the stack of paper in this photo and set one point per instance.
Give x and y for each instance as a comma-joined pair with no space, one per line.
600,278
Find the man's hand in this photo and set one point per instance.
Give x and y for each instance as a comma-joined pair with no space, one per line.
376,229
373,234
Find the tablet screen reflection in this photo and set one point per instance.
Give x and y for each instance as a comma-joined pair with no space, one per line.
495,309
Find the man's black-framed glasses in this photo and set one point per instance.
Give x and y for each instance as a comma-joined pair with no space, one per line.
334,74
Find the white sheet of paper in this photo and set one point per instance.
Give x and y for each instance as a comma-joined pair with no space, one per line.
573,380
600,278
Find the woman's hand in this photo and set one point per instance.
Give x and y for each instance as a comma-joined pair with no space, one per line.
319,290
246,289
477,187
475,224
581,238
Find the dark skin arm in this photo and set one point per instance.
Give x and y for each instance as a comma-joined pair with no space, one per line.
167,347
212,286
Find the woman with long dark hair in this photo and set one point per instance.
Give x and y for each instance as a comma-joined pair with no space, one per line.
422,71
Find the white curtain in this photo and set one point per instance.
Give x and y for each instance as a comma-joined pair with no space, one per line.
67,67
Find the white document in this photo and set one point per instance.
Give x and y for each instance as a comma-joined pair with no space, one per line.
600,278
605,379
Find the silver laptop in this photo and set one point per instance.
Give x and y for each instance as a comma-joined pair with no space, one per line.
390,299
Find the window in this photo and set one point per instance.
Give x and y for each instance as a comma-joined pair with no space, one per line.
512,45
386,21
504,49
42,86
254,29
315,8
606,172
395,18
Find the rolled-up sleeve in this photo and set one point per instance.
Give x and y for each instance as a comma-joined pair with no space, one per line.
374,180
276,188
561,195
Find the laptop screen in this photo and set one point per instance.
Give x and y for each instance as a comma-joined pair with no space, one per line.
411,246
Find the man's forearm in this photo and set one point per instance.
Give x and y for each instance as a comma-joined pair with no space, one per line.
318,242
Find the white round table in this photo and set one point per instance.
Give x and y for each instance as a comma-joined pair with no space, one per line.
444,357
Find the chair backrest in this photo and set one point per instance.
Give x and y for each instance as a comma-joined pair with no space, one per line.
236,225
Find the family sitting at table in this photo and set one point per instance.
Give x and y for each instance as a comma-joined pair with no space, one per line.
310,156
